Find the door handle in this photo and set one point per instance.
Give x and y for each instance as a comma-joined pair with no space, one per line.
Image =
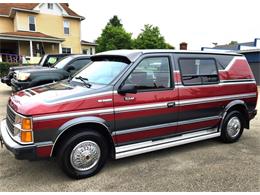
170,104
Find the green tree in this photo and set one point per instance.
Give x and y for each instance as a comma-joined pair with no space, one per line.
233,43
168,46
115,21
151,38
114,37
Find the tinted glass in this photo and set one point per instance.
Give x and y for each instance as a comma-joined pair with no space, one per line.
101,72
151,73
78,64
198,71
63,62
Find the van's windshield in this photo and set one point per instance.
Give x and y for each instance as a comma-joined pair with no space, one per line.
101,72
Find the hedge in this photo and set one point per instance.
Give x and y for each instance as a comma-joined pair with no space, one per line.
4,67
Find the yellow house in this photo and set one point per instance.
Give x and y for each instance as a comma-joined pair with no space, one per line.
33,29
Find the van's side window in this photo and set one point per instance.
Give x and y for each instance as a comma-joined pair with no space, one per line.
196,71
151,73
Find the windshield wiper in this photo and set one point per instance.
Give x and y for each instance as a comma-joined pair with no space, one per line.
84,80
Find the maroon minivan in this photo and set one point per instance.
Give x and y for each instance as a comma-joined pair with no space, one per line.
129,102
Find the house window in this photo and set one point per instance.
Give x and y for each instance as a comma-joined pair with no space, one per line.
91,51
85,51
32,23
66,27
66,50
50,5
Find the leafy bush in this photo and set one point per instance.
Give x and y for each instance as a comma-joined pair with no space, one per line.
4,68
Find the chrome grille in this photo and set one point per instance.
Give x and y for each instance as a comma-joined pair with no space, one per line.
10,120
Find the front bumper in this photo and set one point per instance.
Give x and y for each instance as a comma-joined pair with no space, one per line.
21,152
6,80
19,85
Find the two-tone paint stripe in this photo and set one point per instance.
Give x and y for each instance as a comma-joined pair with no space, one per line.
149,106
221,83
173,124
74,114
233,62
94,95
215,99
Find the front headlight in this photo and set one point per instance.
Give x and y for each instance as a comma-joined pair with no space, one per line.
22,76
23,129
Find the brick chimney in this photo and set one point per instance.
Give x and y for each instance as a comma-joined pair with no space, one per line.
183,46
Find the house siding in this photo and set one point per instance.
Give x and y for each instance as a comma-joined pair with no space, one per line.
47,22
6,25
24,48
53,26
22,21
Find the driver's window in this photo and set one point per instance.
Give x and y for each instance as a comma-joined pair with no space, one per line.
151,73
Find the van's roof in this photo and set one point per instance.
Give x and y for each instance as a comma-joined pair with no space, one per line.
132,55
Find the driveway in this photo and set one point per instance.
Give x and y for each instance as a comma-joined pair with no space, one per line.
203,166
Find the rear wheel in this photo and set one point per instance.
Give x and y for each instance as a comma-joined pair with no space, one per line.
233,127
83,155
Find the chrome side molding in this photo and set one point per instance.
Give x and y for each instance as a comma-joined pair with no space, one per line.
149,146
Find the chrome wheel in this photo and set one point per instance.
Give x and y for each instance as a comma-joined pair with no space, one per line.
233,127
85,155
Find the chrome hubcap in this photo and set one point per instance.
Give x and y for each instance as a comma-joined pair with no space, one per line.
233,126
85,155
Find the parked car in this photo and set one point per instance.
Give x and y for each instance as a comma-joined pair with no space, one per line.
47,60
130,102
62,70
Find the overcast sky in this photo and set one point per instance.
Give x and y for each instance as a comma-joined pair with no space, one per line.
197,22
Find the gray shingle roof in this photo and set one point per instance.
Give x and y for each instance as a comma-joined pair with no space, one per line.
234,46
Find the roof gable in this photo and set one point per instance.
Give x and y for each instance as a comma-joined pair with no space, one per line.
57,9
7,8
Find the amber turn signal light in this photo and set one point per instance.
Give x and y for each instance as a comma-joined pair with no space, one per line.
26,124
26,136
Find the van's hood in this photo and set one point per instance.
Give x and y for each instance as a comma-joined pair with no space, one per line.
58,97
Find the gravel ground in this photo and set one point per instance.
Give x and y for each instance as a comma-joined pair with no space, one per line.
202,166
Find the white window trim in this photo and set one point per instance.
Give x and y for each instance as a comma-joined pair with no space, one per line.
51,6
67,48
64,27
34,23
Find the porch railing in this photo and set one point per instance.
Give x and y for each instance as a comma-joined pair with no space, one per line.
11,58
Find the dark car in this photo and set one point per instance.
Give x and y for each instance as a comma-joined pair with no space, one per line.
62,70
47,60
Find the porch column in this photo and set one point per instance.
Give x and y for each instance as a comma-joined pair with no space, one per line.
19,51
60,49
31,49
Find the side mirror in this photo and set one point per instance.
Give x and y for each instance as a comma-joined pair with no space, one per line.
127,89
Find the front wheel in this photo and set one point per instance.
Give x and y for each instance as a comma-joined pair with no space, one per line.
83,155
233,127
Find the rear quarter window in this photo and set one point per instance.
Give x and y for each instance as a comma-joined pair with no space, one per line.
198,71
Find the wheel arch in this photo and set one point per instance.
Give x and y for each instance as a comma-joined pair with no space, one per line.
239,105
72,126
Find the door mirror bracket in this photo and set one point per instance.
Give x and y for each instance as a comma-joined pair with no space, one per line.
127,89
